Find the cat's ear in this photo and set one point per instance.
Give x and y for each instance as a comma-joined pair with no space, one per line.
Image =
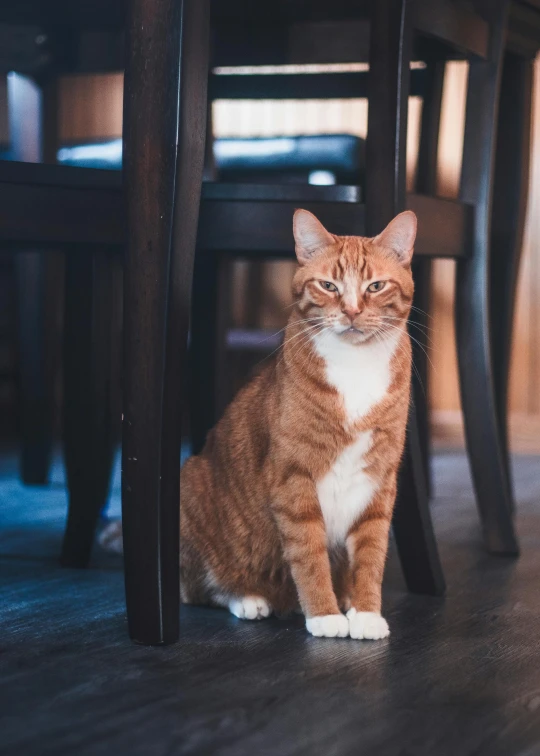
399,236
310,236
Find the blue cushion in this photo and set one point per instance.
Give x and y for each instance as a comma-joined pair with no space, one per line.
340,156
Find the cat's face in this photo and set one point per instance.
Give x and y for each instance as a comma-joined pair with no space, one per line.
358,288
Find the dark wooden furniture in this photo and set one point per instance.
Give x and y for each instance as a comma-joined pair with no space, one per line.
165,133
473,324
478,37
80,213
164,123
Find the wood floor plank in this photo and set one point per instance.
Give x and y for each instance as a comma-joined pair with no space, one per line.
459,675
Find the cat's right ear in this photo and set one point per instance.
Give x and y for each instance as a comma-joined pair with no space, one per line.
310,236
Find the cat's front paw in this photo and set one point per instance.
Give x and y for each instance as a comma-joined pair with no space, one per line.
250,608
367,625
328,626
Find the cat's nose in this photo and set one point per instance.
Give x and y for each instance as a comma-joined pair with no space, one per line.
351,311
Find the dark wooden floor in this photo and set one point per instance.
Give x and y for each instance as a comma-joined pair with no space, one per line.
458,677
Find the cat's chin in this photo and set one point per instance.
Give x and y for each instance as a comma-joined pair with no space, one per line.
355,335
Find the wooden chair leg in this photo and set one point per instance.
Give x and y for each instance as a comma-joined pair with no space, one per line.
35,367
390,52
203,349
209,379
508,219
413,529
164,106
418,323
88,427
478,399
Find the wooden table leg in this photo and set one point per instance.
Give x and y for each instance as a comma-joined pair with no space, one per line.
164,117
510,192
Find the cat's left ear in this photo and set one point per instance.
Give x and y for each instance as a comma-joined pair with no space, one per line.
310,236
399,236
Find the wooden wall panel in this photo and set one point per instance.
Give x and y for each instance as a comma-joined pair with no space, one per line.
444,388
525,377
90,107
524,397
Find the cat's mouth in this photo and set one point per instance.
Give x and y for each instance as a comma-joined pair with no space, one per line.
355,335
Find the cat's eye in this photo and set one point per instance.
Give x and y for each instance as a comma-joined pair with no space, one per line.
376,286
328,285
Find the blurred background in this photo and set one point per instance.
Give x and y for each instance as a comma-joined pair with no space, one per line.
279,138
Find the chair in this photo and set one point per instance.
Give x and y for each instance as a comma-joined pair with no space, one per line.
493,493
459,31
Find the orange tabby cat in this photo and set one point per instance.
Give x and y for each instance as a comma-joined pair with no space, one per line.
291,499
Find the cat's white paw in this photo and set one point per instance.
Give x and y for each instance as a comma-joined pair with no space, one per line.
110,537
328,626
367,625
250,608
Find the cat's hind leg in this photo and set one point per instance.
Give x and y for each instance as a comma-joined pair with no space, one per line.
250,607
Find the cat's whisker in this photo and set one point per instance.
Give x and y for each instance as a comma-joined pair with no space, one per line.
421,334
420,325
304,332
322,327
389,325
273,335
420,381
378,336
422,312
312,317
299,346
301,332
414,323
380,332
280,346
309,359
281,330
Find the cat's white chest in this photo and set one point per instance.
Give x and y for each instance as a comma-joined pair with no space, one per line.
346,489
362,375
